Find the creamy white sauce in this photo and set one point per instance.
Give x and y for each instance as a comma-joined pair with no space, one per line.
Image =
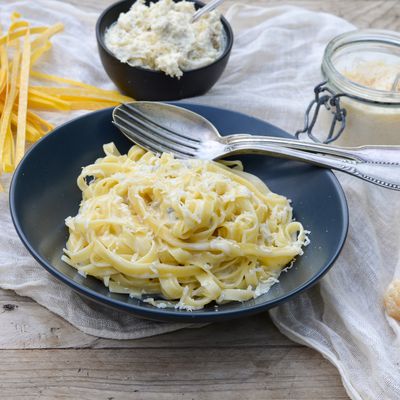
162,37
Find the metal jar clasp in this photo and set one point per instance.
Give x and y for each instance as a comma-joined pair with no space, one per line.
324,96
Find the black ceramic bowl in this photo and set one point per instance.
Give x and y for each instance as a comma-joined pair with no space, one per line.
145,84
44,192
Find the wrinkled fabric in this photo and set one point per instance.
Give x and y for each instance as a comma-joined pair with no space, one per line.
275,64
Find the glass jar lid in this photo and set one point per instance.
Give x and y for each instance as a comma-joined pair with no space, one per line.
364,65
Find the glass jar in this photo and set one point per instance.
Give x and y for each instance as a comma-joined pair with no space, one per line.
359,101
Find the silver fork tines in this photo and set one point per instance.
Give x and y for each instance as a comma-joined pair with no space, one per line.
140,137
153,131
136,126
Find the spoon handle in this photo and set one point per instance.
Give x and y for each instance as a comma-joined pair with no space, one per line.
212,5
375,154
386,174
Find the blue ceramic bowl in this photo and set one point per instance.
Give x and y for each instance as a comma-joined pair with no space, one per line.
145,84
44,192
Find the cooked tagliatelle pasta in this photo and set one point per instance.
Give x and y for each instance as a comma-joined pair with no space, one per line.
188,231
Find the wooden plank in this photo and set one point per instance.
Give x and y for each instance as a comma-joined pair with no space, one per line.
253,331
27,325
256,373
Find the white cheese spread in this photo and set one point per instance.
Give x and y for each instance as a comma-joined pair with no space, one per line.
162,37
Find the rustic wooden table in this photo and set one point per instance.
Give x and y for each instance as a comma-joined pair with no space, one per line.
44,357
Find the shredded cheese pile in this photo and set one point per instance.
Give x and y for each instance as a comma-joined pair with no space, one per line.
374,74
188,231
21,46
162,37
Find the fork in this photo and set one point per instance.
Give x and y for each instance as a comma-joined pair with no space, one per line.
379,165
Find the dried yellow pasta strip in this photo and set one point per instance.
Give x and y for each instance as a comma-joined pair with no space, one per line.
22,32
47,34
3,67
46,105
23,99
15,15
94,89
4,50
38,121
18,25
59,79
33,136
94,105
32,131
36,126
88,103
35,55
67,93
46,102
9,102
40,99
87,99
8,161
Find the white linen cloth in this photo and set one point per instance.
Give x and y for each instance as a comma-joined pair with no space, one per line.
273,68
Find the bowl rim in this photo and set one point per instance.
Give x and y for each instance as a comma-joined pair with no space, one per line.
99,36
170,314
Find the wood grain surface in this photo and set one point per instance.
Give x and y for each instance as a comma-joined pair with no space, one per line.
45,357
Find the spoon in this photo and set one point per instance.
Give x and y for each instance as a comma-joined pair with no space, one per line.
212,5
161,127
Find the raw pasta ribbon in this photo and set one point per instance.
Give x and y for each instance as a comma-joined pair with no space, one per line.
21,47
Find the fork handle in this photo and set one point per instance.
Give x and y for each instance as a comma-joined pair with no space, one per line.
375,154
386,174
